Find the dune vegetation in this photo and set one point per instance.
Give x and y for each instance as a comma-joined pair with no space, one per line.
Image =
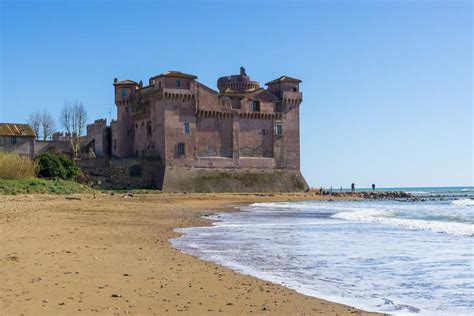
47,173
13,166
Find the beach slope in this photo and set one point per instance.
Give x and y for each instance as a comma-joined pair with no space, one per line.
111,255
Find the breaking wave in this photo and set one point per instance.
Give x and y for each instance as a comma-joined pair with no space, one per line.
463,202
376,255
382,217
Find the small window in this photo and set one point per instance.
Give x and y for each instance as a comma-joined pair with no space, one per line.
295,89
129,133
136,125
13,139
256,106
126,109
186,128
178,83
148,128
115,144
124,92
263,132
143,124
180,149
159,85
278,107
279,129
136,153
236,104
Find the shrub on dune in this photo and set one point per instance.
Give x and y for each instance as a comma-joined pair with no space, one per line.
56,167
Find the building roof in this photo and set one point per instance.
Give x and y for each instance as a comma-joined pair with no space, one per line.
175,74
207,88
12,129
123,82
284,79
265,95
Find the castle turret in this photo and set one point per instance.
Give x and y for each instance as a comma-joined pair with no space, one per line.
125,96
287,130
283,84
237,83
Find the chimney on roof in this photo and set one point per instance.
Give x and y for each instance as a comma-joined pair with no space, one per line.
140,84
115,80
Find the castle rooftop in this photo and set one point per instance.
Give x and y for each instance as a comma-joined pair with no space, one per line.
283,79
237,83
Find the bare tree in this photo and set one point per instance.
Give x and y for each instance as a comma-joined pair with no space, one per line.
73,119
47,125
35,122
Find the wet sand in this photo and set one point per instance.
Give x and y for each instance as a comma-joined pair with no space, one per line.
111,255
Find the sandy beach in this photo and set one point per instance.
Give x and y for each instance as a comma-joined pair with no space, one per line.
111,255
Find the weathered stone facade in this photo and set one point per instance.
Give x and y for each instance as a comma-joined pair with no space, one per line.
182,123
17,138
98,138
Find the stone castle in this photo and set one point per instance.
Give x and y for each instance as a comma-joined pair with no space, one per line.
241,137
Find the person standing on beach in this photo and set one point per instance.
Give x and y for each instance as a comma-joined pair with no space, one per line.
353,187
373,187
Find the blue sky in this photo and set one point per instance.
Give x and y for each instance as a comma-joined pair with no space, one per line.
387,84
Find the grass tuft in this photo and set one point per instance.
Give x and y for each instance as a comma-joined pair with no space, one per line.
13,166
35,185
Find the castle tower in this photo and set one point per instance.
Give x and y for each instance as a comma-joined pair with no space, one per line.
287,130
123,129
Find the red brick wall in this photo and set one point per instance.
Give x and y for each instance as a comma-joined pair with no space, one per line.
217,139
253,141
214,137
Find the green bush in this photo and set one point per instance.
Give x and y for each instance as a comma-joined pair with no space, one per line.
72,170
56,167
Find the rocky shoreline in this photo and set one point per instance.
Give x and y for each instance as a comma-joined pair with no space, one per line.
370,195
380,195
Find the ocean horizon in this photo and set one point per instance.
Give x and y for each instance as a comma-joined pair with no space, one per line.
400,257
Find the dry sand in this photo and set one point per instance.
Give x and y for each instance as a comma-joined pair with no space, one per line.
111,255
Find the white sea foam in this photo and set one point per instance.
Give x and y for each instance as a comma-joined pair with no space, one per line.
280,205
373,216
417,192
372,255
463,202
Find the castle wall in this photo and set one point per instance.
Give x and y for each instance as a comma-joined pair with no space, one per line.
172,83
123,173
256,138
206,98
232,180
214,137
99,134
176,113
57,146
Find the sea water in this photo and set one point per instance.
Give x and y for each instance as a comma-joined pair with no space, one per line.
397,257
